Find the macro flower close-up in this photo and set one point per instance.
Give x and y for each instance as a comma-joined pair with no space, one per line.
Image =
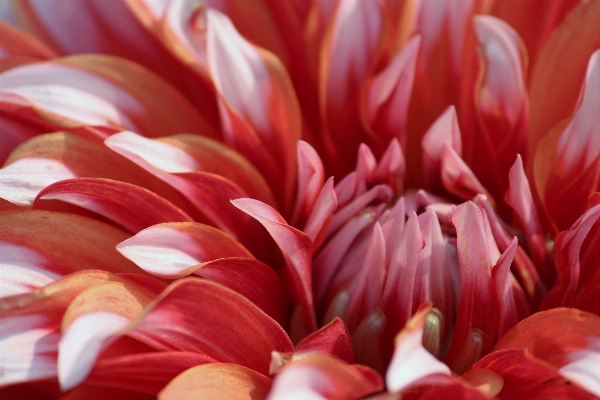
299,199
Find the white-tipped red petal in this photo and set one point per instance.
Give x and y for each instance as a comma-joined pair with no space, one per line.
583,371
411,362
81,343
168,249
296,247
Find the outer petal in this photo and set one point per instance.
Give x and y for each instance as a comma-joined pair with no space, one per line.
475,329
317,376
554,88
132,207
106,91
218,381
567,161
38,247
172,322
297,252
567,246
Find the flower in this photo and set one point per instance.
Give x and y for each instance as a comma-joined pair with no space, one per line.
311,199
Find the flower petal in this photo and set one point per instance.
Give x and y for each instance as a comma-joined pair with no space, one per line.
296,248
411,362
218,381
132,207
333,339
172,322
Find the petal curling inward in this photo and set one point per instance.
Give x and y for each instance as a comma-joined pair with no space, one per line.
168,249
332,339
411,362
218,381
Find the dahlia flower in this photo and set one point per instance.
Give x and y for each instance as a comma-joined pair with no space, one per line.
300,199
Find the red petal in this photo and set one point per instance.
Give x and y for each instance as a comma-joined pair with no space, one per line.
458,178
332,339
297,252
39,247
567,246
132,207
232,329
310,182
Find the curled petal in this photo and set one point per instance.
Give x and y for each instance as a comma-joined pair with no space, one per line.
310,182
333,339
458,178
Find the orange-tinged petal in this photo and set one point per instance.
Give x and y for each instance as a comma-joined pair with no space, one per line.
555,85
19,48
38,247
218,381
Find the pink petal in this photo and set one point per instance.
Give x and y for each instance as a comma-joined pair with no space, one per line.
411,362
444,130
520,199
40,246
168,249
310,182
132,207
503,290
321,215
297,252
458,178
172,322
474,331
583,370
397,297
391,167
